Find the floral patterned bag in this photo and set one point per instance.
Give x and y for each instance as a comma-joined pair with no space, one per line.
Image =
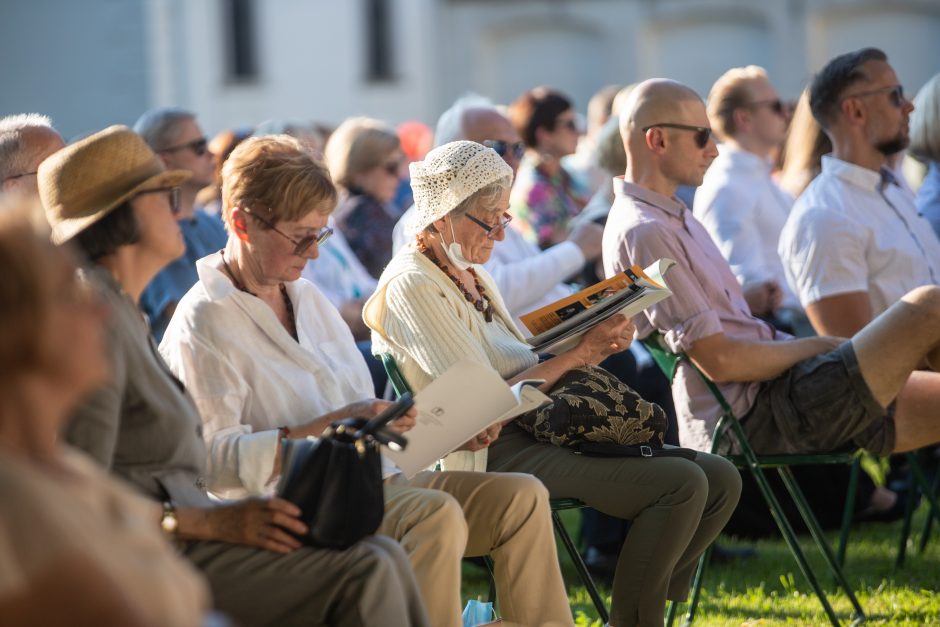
595,413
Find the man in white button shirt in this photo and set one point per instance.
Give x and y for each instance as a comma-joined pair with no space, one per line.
738,203
854,243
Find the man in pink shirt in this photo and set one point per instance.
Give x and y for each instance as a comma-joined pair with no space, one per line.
793,395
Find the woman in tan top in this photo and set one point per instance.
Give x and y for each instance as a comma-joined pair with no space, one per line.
76,546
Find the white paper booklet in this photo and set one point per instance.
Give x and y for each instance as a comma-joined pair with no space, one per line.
458,405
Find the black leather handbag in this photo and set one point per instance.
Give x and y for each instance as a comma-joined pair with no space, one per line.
336,479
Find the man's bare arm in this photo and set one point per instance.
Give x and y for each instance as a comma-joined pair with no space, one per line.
724,359
842,315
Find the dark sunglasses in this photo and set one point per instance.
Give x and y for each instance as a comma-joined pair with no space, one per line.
198,146
517,149
702,133
492,230
392,168
569,124
775,105
302,245
172,192
895,94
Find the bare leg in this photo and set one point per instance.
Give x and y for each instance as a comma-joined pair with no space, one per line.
898,341
889,350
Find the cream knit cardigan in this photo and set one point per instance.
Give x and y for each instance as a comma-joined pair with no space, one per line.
419,316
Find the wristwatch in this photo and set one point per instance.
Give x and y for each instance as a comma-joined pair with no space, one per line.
169,523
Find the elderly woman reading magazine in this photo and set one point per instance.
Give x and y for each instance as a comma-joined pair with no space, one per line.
266,356
435,305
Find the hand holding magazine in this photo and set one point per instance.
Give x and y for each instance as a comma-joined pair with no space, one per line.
458,405
558,327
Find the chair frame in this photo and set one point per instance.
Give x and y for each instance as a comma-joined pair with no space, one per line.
728,425
401,386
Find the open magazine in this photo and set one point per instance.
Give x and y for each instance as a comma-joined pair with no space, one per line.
558,327
458,405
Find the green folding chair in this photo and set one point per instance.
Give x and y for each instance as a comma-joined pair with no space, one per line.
557,505
929,491
728,425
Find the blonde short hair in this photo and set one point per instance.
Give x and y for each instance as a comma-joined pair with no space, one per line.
731,91
357,146
925,122
802,153
278,177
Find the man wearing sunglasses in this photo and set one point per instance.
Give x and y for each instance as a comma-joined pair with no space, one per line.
793,395
739,203
854,243
175,136
26,139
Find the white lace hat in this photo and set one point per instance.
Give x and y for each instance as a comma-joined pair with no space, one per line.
449,175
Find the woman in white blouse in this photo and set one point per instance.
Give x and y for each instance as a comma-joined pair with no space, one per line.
77,546
266,356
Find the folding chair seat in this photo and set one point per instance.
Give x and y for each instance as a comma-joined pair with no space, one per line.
746,458
401,386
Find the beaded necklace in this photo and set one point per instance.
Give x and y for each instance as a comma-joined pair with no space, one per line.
292,328
482,304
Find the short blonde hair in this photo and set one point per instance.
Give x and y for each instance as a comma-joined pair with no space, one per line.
278,176
925,122
802,153
357,146
731,91
611,155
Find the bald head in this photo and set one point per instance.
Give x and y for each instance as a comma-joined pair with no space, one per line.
480,124
655,101
677,147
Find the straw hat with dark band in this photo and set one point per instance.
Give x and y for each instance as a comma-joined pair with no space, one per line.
84,182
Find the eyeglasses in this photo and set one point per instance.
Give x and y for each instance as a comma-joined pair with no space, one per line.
776,105
198,146
19,176
392,168
503,148
302,245
172,192
895,94
492,230
702,133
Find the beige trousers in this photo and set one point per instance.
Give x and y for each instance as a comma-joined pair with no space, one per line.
440,517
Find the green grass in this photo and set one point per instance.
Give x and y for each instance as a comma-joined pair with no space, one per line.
770,590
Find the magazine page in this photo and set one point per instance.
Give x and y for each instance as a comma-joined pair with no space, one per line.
645,288
458,405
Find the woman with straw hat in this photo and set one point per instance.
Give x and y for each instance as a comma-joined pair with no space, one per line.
110,196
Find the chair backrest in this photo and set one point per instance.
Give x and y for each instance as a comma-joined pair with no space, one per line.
394,374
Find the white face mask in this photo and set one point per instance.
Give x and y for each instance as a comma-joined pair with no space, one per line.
454,251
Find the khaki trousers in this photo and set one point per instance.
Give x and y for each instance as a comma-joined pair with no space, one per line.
678,506
440,517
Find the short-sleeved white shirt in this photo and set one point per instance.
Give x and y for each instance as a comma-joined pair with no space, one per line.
744,211
853,230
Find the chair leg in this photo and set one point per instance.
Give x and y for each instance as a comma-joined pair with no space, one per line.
848,510
697,582
810,519
579,565
908,516
790,538
929,492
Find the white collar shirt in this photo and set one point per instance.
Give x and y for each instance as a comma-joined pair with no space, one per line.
248,376
744,210
857,230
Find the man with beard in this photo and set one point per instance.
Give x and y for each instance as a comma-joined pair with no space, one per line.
854,243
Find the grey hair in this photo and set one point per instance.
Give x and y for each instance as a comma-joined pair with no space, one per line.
486,195
450,124
160,127
925,122
13,154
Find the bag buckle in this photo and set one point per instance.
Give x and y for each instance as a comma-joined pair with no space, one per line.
645,450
